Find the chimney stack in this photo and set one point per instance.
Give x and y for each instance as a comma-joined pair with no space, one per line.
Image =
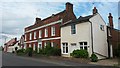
69,6
110,20
95,11
15,39
38,20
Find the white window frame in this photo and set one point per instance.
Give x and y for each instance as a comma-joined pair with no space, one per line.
30,45
53,31
35,35
34,46
40,33
30,36
66,47
102,27
73,29
83,46
39,45
45,44
52,44
46,32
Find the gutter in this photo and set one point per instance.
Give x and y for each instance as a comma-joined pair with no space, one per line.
91,36
108,42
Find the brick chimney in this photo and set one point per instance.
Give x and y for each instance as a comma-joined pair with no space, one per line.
69,6
15,39
38,20
110,20
95,11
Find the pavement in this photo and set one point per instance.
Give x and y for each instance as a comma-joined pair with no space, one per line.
106,62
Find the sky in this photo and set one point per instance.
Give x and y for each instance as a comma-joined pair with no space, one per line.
16,15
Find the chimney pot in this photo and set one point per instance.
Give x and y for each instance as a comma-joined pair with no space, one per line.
95,10
109,14
38,20
110,20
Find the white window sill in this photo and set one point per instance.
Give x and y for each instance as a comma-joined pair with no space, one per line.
64,53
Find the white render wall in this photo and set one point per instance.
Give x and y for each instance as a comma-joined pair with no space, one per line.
99,37
12,48
82,34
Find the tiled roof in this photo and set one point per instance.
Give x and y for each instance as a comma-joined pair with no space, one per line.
79,20
44,21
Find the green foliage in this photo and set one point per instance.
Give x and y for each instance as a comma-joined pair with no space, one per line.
20,52
94,58
29,51
79,54
50,51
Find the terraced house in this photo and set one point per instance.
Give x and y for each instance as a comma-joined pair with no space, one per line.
48,29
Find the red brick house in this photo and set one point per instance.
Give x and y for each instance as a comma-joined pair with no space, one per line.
48,29
113,37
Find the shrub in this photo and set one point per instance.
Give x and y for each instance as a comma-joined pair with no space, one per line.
79,54
20,52
29,51
94,58
56,51
41,51
50,51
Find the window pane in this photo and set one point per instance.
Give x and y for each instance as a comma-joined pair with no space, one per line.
73,29
85,43
85,47
67,44
66,49
81,47
63,44
81,43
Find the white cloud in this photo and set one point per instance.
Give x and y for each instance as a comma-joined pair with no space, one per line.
59,0
17,15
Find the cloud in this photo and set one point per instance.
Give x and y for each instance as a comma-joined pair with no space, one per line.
59,0
18,15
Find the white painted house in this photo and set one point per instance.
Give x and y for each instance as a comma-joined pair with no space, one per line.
12,48
87,33
11,45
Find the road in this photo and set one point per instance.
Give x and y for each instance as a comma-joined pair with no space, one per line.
9,59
